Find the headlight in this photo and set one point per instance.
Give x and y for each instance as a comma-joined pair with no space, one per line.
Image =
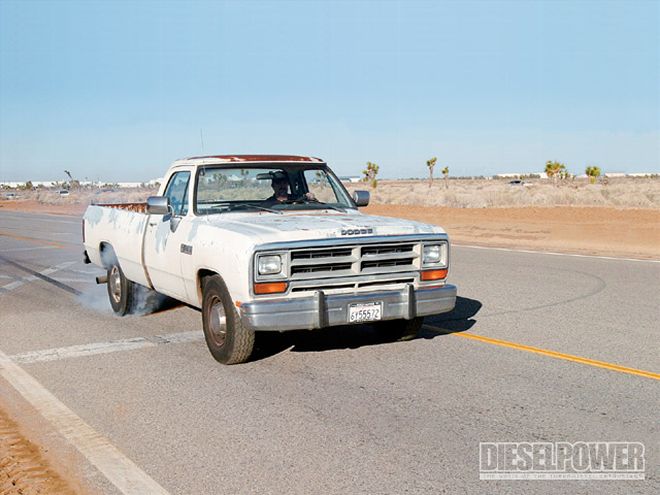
435,254
270,265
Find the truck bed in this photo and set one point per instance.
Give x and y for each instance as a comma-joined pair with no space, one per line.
135,207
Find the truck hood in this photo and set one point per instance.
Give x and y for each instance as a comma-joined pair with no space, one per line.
297,226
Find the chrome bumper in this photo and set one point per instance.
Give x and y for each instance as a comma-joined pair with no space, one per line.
324,310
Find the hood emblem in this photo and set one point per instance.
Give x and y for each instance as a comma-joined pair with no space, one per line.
357,231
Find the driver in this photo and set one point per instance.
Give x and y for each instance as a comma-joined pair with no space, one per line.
280,185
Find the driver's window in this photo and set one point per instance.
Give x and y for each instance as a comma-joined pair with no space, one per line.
177,192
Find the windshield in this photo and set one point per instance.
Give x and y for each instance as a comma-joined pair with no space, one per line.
268,188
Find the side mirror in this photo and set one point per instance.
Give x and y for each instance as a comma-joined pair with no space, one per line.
361,198
158,205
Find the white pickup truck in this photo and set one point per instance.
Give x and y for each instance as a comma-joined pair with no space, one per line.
275,243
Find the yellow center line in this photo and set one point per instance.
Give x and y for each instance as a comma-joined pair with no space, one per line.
32,239
554,354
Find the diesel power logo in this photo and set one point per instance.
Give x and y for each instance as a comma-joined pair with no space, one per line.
561,461
356,231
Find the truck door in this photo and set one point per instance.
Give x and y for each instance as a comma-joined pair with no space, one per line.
165,237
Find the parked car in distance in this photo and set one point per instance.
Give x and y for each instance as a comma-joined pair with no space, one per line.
64,192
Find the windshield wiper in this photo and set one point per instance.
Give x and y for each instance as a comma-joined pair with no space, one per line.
305,201
251,205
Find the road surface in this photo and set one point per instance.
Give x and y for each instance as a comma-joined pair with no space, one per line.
541,348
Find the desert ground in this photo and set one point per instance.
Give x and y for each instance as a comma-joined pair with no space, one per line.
620,217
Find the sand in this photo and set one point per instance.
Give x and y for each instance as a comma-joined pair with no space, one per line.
603,231
23,469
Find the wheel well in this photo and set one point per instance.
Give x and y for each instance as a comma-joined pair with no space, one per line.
201,275
107,254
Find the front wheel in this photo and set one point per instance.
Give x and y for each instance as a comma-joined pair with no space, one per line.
402,329
227,339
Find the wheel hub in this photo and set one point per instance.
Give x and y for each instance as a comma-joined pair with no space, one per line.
114,282
218,321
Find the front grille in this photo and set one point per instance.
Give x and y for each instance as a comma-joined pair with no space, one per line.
365,259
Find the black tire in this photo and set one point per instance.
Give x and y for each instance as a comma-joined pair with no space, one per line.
227,339
121,291
402,329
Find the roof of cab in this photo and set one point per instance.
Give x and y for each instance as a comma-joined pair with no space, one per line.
221,159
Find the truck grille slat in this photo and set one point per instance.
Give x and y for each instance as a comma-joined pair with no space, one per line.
320,253
320,268
387,263
385,250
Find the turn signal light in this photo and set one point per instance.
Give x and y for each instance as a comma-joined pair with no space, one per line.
434,274
270,287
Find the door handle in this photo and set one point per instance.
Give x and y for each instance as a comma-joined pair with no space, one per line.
153,224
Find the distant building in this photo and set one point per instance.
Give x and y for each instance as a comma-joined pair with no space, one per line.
352,178
507,176
613,175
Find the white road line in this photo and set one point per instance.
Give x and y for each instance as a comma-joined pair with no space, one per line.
94,348
551,253
31,278
108,459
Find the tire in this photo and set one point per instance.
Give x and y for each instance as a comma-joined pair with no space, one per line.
227,339
402,330
121,291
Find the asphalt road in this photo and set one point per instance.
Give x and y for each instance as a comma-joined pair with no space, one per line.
340,411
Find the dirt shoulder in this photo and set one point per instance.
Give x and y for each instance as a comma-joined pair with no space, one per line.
598,230
23,468
601,231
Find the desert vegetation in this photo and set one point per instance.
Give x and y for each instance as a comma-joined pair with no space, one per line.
483,193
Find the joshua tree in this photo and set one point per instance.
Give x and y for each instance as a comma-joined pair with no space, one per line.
71,181
430,163
555,170
445,174
370,174
593,172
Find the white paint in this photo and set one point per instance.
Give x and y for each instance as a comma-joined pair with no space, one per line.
83,350
97,449
551,253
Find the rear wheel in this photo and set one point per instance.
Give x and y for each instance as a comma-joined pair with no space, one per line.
402,329
121,291
227,339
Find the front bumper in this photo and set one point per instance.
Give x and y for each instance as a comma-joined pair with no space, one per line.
324,310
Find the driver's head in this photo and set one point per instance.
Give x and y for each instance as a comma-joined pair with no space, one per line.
280,184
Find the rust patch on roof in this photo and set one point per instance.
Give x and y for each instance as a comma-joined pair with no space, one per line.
259,158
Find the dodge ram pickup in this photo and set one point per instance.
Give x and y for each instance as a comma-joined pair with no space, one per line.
268,243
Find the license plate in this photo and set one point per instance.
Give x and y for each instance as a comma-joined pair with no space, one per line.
358,313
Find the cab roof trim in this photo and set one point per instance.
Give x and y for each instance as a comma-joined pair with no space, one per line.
231,159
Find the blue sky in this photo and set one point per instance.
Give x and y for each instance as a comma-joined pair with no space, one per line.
118,90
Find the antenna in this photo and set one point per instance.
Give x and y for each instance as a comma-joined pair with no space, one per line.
201,138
